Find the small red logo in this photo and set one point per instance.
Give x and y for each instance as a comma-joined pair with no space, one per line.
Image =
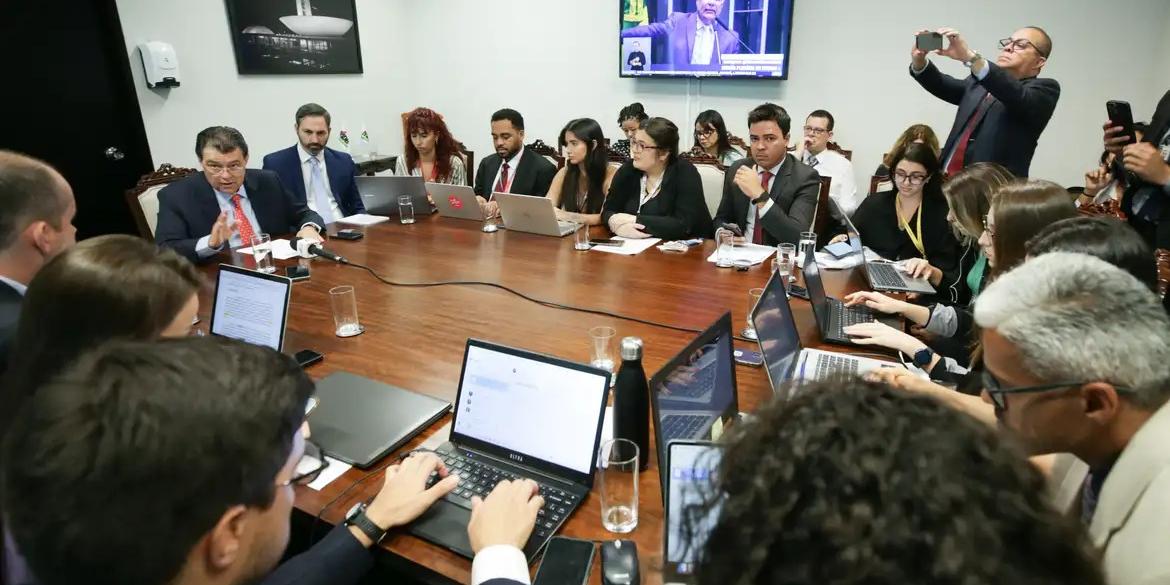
455,202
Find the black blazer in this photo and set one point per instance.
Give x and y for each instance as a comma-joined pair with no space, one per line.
678,212
187,209
877,222
794,190
1160,238
1009,128
10,303
533,175
338,165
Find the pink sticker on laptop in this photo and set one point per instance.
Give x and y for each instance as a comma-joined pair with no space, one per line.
455,202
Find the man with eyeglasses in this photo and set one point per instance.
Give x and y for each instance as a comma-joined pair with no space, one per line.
1003,105
1077,359
227,204
814,151
173,463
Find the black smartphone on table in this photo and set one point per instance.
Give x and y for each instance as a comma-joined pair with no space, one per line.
606,242
295,273
349,234
1120,114
929,41
567,561
798,291
748,358
307,357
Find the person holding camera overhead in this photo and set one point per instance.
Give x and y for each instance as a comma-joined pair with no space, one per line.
1003,105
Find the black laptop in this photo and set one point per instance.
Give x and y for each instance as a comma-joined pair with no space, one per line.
693,397
519,415
831,314
380,194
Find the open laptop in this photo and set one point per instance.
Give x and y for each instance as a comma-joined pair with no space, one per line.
532,214
882,274
691,510
250,306
519,414
694,395
457,201
380,194
784,357
831,314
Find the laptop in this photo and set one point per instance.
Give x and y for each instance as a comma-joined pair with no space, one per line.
359,420
784,357
691,513
831,314
250,306
380,194
457,201
694,395
517,415
883,275
532,214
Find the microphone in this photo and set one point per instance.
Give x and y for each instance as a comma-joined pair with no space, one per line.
306,248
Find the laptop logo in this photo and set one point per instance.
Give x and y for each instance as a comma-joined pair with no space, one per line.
455,202
515,457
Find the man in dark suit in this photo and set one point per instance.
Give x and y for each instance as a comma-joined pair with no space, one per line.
511,169
696,40
36,224
771,197
316,174
1144,201
228,203
218,436
1003,106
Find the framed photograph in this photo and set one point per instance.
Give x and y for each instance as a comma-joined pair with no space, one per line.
295,36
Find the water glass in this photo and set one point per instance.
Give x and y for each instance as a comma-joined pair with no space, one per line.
581,237
808,243
602,356
262,252
345,314
753,298
618,478
786,255
406,209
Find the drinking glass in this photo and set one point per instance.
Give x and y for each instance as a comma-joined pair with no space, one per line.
406,209
618,477
753,298
345,314
581,237
262,252
786,255
808,243
602,356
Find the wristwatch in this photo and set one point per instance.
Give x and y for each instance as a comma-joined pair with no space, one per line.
923,356
975,56
760,199
357,517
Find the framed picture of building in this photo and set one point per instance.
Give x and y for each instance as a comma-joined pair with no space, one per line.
295,36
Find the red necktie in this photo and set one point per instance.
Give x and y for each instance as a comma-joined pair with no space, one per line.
960,154
758,229
504,182
242,223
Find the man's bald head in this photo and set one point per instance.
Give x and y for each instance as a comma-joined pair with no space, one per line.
30,191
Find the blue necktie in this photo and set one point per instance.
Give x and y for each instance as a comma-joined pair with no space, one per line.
318,193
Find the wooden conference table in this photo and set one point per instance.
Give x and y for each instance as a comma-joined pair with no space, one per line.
414,337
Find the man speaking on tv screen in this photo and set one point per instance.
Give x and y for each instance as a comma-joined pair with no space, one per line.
696,40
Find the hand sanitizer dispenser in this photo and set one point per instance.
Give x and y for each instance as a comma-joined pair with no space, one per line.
160,64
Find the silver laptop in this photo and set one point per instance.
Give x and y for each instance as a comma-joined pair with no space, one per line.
380,194
456,201
882,275
250,306
532,214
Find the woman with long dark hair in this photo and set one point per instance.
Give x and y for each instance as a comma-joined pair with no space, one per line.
578,189
430,151
711,135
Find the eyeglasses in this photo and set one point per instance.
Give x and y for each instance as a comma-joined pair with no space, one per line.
705,132
637,145
314,452
815,131
987,226
997,392
912,178
216,168
1020,45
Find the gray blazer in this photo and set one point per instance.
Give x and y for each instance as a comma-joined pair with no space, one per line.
794,190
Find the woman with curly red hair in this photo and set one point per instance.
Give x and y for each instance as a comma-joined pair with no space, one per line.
431,152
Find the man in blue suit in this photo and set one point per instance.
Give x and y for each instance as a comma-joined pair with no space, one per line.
697,40
317,175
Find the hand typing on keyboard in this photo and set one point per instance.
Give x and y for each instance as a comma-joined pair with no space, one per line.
405,495
883,335
507,516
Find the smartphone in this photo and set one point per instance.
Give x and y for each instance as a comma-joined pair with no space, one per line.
749,358
840,249
307,357
1120,114
798,291
295,273
311,405
929,41
567,561
349,234
609,242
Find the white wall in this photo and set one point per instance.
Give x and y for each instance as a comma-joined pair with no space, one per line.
554,61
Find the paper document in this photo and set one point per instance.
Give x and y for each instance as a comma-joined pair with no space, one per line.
629,247
281,250
335,470
363,219
753,253
827,261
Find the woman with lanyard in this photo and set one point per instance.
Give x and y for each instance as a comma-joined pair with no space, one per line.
578,189
657,194
430,151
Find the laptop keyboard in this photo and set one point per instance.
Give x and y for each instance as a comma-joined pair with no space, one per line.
841,317
479,479
702,385
885,275
829,365
682,426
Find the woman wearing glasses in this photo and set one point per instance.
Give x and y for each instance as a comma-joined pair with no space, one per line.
711,135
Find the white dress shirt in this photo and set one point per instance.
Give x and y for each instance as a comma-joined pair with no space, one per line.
750,227
843,187
512,164
203,247
307,175
19,287
704,43
501,561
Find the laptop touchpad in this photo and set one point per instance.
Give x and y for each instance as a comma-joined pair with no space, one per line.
447,523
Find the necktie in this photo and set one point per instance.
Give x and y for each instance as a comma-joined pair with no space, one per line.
960,153
317,186
505,181
243,226
812,161
758,229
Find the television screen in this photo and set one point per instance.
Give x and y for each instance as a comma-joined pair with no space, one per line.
705,38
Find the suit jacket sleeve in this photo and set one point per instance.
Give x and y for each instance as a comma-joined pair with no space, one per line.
482,179
172,230
786,227
1033,101
339,559
689,206
726,212
654,29
623,186
942,86
544,177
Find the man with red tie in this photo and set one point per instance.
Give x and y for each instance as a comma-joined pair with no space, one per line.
206,213
771,197
1003,106
511,169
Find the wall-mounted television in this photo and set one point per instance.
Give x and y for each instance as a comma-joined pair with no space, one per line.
705,38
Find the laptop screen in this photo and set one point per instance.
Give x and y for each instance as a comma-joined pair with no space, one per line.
531,406
816,291
250,306
850,229
776,329
693,469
